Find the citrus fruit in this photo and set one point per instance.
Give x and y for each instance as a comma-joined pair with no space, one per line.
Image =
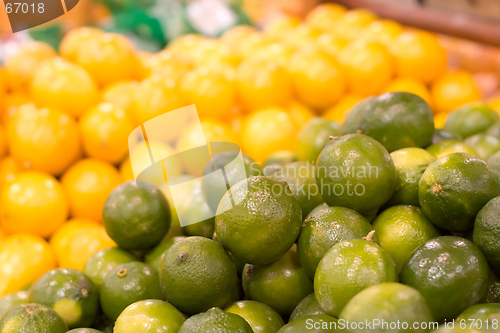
149,316
409,85
197,274
126,284
105,130
452,90
382,31
450,272
492,294
120,94
446,147
300,114
323,16
339,111
262,227
325,228
442,135
329,43
9,168
215,320
454,188
351,25
279,53
353,118
478,315
32,318
484,144
136,218
348,268
33,203
440,119
84,330
494,162
313,137
11,300
154,257
320,323
76,39
259,316
486,231
88,183
471,119
3,142
401,229
280,157
165,63
309,306
70,293
357,172
198,219
494,129
410,164
388,302
282,24
52,134
101,263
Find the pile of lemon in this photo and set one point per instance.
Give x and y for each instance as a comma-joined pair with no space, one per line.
65,117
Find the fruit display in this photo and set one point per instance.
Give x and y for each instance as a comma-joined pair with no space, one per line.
361,192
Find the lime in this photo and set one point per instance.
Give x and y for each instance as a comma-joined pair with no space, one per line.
479,314
136,218
281,157
493,292
447,147
84,330
126,284
456,329
484,144
444,135
494,129
307,307
494,162
471,119
259,316
101,263
70,293
324,229
317,209
197,274
388,302
311,324
356,172
402,229
313,137
265,223
349,267
281,284
354,117
30,318
149,316
486,233
300,178
238,264
410,164
454,188
154,257
11,300
215,320
450,272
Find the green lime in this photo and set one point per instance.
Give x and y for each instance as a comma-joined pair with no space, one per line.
486,234
317,209
84,330
280,157
264,224
454,188
126,284
349,267
410,164
300,178
238,264
234,167
11,300
324,229
281,284
447,147
479,314
136,218
154,257
471,119
72,294
197,274
307,307
149,316
484,144
494,162
450,272
493,292
101,263
356,172
259,316
351,123
444,135
494,129
311,324
313,137
455,328
30,318
215,320
175,225
402,229
388,302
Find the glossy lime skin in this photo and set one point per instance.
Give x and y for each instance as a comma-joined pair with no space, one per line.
126,284
300,177
309,306
155,256
313,137
402,229
351,123
72,294
471,119
326,228
484,144
447,147
492,294
263,225
479,312
84,330
494,162
494,129
486,234
259,316
215,320
280,157
311,324
456,329
136,218
103,262
349,267
410,164
454,188
194,210
30,318
442,135
281,284
316,209
238,264
149,316
11,300
390,302
450,272
197,274
356,172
